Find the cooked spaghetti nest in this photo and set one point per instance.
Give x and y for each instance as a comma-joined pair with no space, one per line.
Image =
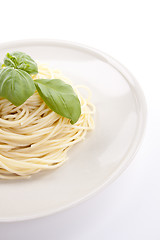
33,137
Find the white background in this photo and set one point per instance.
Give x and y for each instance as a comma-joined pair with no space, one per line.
130,32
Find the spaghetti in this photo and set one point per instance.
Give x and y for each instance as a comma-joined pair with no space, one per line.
33,137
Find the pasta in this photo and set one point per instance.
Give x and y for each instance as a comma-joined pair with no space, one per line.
33,137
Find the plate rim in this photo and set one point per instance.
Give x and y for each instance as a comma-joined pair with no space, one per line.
136,143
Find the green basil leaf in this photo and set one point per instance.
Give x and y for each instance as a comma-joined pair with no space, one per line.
60,97
21,60
10,61
1,66
16,85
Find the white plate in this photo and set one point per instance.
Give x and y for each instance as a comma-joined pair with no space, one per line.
106,152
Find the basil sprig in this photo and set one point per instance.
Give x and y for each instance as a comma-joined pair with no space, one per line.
21,61
60,97
17,86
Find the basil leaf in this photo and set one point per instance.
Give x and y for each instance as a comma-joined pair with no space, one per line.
1,66
60,97
10,61
16,85
21,60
